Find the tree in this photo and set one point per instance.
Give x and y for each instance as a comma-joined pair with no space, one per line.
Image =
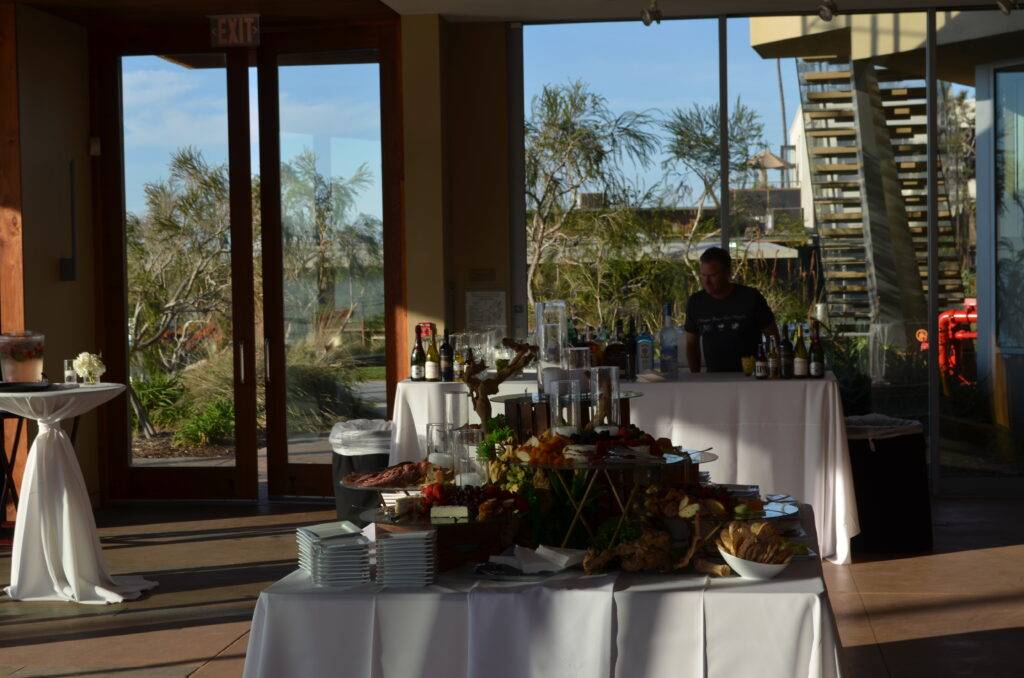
575,144
694,148
324,236
179,262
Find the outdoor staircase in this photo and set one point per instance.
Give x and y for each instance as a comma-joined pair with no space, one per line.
842,193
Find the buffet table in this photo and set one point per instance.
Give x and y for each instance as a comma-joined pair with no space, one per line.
789,435
614,624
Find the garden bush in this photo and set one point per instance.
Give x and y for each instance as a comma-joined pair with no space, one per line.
209,425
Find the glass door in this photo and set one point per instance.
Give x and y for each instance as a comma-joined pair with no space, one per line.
188,278
323,257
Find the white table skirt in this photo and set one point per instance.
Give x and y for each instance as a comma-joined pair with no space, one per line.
629,626
787,435
418,403
57,554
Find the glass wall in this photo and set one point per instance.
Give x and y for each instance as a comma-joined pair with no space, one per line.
621,165
179,321
331,216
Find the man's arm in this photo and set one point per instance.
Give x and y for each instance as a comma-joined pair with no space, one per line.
693,351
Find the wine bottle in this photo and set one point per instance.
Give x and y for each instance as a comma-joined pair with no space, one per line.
644,351
800,354
669,341
816,357
615,352
630,342
459,359
447,359
417,363
761,361
432,368
773,358
786,358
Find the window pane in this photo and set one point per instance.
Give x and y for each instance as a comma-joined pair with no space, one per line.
178,259
331,209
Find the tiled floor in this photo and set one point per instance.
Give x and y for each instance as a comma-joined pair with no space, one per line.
956,612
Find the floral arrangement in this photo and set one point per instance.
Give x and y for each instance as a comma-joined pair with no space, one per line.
89,367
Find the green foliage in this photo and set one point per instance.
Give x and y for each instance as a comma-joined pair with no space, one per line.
162,397
498,431
212,424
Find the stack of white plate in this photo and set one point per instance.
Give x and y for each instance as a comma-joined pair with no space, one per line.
334,554
406,558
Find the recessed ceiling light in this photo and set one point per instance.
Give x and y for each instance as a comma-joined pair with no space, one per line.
827,10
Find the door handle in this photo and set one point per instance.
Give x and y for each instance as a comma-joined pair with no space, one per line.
241,362
266,360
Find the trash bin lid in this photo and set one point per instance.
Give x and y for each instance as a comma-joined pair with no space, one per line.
880,426
361,436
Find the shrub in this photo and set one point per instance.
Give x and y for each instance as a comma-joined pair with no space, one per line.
162,397
212,424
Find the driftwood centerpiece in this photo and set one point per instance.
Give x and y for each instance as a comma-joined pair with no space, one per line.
481,389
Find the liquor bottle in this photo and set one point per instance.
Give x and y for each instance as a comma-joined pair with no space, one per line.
615,354
786,358
761,361
630,342
459,360
773,358
418,362
447,359
644,351
816,357
432,368
800,354
669,343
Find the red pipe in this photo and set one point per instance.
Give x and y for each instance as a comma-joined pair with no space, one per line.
950,336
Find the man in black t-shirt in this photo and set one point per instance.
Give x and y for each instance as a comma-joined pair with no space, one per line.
726,318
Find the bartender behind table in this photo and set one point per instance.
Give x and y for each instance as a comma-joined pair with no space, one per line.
725,318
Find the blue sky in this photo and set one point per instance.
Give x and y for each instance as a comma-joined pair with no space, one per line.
335,109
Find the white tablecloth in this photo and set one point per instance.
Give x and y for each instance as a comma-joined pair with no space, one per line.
418,403
57,553
789,435
628,626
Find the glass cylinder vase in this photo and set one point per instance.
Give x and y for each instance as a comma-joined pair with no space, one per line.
21,356
551,337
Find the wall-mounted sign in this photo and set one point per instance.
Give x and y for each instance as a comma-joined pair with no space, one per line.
235,30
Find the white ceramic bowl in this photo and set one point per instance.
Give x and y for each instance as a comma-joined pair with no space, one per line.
748,569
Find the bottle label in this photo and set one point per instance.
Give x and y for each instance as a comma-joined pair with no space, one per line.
644,357
446,370
773,366
761,369
800,367
416,373
460,369
432,372
817,369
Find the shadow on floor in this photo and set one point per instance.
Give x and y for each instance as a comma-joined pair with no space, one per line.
982,654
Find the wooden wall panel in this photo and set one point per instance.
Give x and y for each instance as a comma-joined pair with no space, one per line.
12,292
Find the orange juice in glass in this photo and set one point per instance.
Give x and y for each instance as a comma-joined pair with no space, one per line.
21,356
748,364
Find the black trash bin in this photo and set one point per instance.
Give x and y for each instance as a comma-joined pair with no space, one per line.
362,446
890,475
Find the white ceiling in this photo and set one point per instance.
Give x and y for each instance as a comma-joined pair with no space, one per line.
584,10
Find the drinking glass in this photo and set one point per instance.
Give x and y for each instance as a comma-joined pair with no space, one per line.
603,399
467,468
564,406
438,445
456,409
577,358
551,336
70,376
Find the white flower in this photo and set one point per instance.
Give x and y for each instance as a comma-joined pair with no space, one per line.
89,364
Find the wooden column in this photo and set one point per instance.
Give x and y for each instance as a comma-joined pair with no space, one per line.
12,292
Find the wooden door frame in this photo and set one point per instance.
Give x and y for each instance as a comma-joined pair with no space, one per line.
383,38
120,480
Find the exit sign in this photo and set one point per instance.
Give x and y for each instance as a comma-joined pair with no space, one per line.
235,30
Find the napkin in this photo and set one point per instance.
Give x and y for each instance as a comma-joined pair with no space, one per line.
650,376
544,559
